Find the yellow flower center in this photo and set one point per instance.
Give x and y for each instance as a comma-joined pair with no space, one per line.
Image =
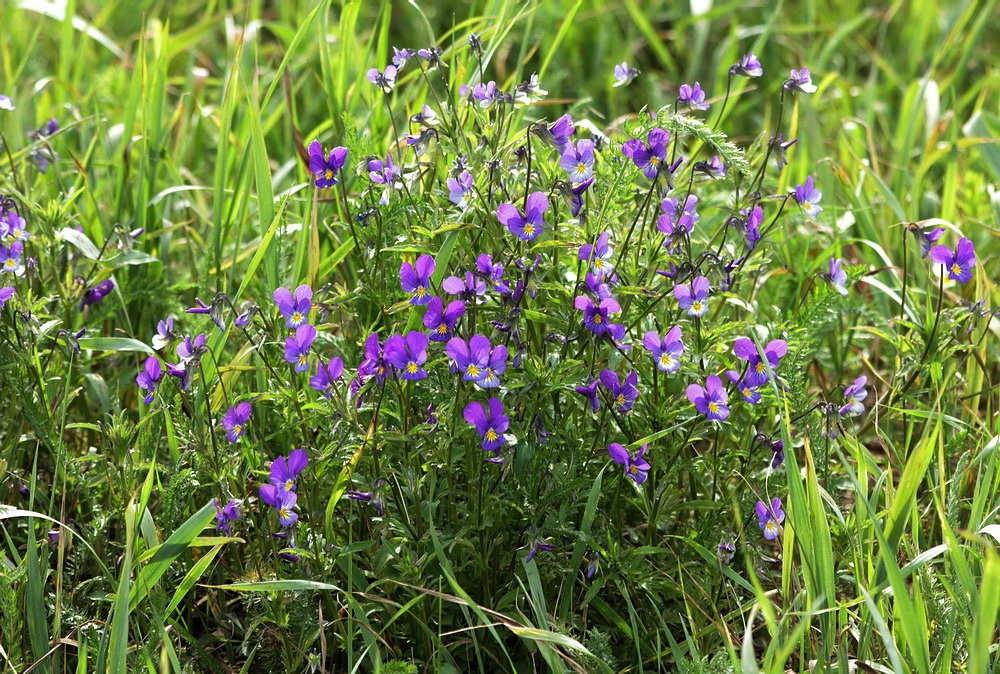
491,435
412,368
696,305
633,469
329,174
529,229
421,291
237,429
381,370
283,513
581,168
599,263
472,370
771,526
760,367
10,263
302,359
442,329
956,270
289,485
598,319
489,375
654,160
713,407
665,359
297,317
620,399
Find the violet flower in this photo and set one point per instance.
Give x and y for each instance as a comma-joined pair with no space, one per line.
927,238
12,261
149,378
460,190
325,375
711,399
747,66
624,74
693,297
578,162
590,393
746,350
165,333
692,96
294,307
285,471
800,80
556,134
469,289
650,156
493,273
236,420
595,317
598,254
636,467
408,354
769,518
401,56
496,365
416,279
666,351
537,547
6,103
855,395
754,221
225,515
528,225
384,80
95,294
5,294
489,424
297,347
837,277
326,169
807,196
283,503
624,394
713,167
374,362
387,174
470,359
750,394
440,320
780,149
958,265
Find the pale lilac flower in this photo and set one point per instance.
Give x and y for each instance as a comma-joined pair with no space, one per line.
800,80
624,74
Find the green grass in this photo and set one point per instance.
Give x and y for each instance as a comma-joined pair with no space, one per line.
191,120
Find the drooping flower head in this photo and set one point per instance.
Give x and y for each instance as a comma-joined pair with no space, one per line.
528,225
769,518
536,547
401,56
440,320
590,393
408,354
746,350
294,307
236,420
693,297
666,351
556,134
324,168
837,277
490,424
387,174
297,347
95,294
284,472
713,167
624,74
754,221
779,147
636,467
149,378
807,196
958,265
492,273
926,237
578,161
650,156
800,80
528,91
416,279
747,66
624,394
165,333
692,96
711,399
854,395
595,317
225,516
325,375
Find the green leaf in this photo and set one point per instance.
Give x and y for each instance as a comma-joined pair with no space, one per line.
114,344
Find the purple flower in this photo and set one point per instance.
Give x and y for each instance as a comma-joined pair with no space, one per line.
927,238
401,56
425,116
780,149
750,395
616,332
441,321
746,350
408,354
779,454
667,351
727,549
387,174
595,317
754,221
493,273
235,421
374,362
15,226
224,515
713,167
283,503
557,133
149,378
384,80
537,547
650,156
472,359
528,225
837,277
578,162
855,395
769,518
636,467
294,307
692,96
325,169
297,347
590,393
800,80
624,74
460,190
373,496
6,103
624,394
747,66
6,294
416,279
11,261
433,57
599,254
327,374
710,400
284,472
214,311
189,349
960,264
597,285
487,94
95,294
693,297
496,365
807,196
244,318
490,425
164,333
526,92
468,290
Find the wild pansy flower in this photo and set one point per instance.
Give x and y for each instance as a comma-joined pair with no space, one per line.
236,420
469,289
727,550
574,194
440,320
426,116
807,196
926,237
383,79
616,333
537,547
693,297
387,174
225,516
713,167
769,518
837,277
747,66
578,161
324,168
189,349
401,56
526,92
433,57
556,134
666,351
670,206
244,318
475,43
284,472
283,503
492,273
149,378
470,359
408,354
374,362
496,365
325,375
95,294
800,80
297,347
692,96
487,94
958,265
295,307
624,394
711,399
746,350
595,316
750,395
779,147
650,156
489,424
164,333
529,271
778,457
598,254
373,495
13,227
460,189
590,393
416,279
754,221
214,311
11,260
6,103
528,225
624,74
855,395
636,467
5,294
